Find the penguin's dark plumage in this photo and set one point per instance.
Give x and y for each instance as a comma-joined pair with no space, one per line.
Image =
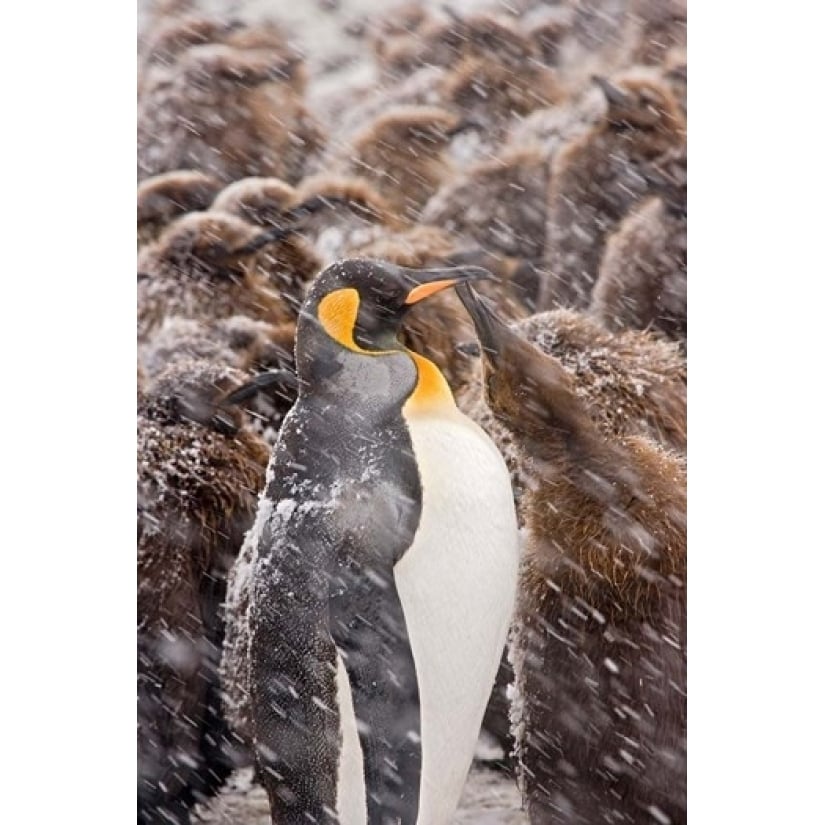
326,596
599,641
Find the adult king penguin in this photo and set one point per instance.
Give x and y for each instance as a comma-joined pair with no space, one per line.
383,572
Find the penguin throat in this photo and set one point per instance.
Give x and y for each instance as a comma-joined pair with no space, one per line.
432,393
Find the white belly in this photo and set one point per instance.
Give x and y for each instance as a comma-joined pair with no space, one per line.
457,585
352,792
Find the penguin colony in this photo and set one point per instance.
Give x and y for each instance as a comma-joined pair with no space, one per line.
544,142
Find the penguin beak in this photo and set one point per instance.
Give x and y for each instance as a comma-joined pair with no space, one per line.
465,125
427,282
614,95
491,331
292,219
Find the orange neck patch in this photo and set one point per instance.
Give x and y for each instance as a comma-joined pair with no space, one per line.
432,392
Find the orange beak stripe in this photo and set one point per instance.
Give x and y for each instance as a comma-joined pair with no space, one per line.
423,291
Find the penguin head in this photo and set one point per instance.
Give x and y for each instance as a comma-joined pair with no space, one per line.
355,307
636,101
526,389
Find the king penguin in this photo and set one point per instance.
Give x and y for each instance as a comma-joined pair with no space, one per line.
384,563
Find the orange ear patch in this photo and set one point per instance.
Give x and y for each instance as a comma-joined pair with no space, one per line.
423,291
337,313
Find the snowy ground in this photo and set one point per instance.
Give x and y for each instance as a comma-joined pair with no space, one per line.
490,798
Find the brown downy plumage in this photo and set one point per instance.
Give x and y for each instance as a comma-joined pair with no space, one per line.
597,178
261,201
491,93
394,37
402,154
643,275
633,383
230,112
448,42
260,350
163,198
288,260
500,204
676,76
206,266
199,473
171,36
346,211
598,645
493,72
547,27
654,27
596,40
238,342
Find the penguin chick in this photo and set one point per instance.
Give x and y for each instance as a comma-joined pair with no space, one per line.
395,34
199,470
554,127
676,74
402,154
643,274
260,201
654,27
597,178
501,204
547,27
289,261
238,342
491,93
633,383
229,112
163,198
596,41
260,350
171,37
365,689
349,212
477,36
350,110
598,645
205,265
